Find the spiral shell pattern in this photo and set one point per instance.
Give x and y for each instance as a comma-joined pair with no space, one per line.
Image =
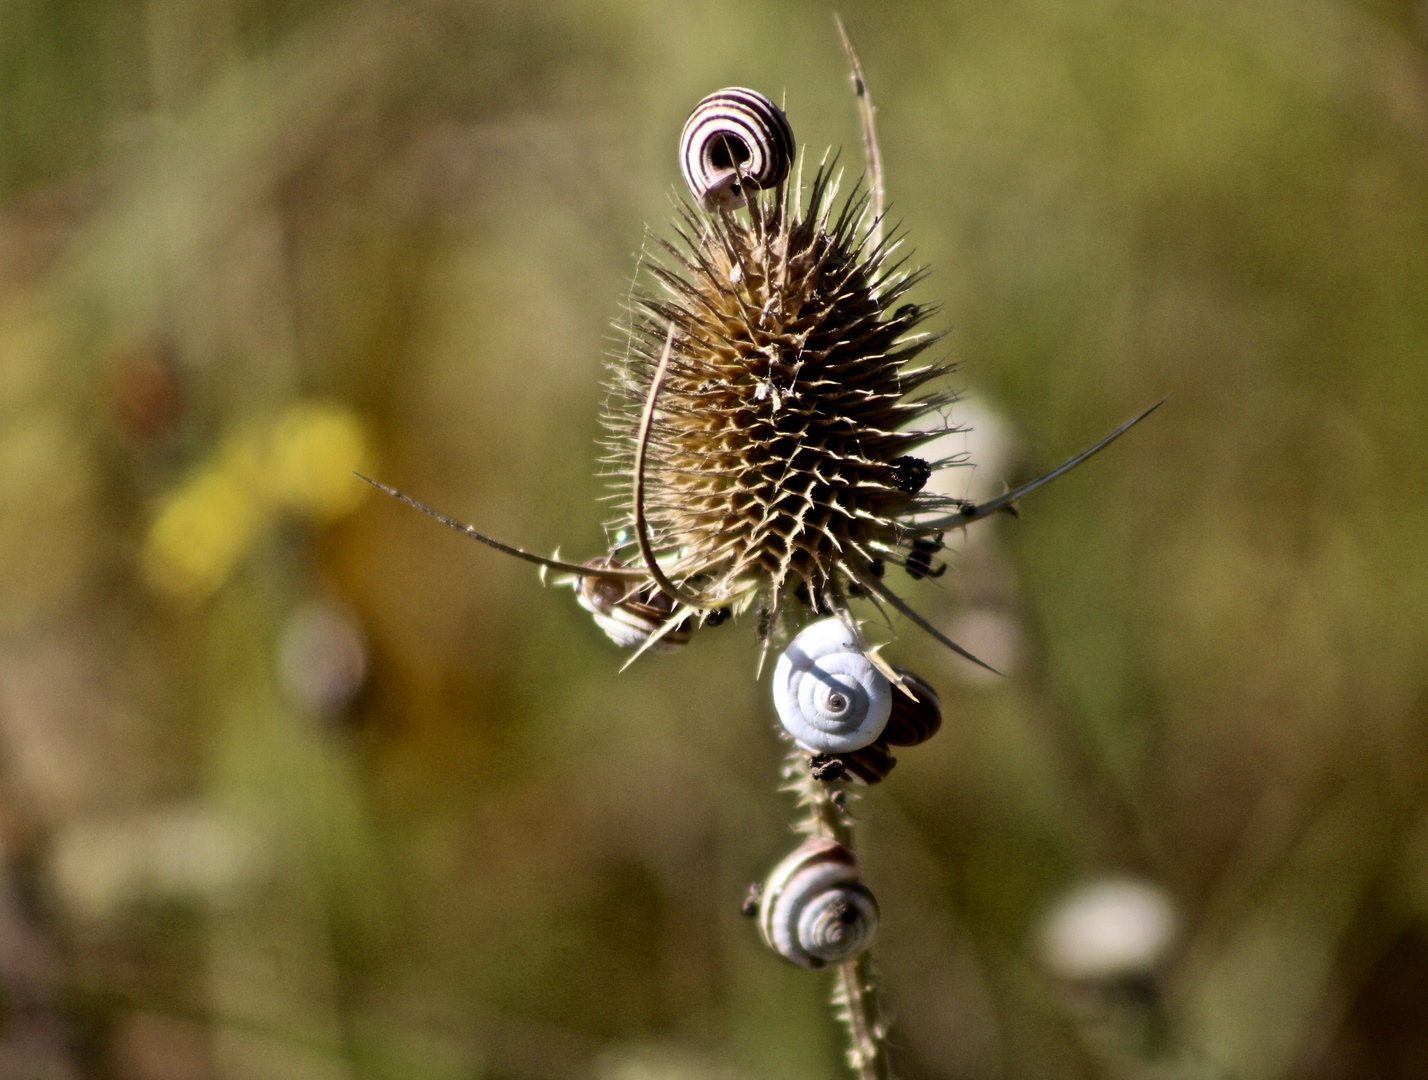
828,694
629,618
815,909
734,137
911,722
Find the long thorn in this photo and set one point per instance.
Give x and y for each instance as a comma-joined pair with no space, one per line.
875,586
969,514
642,528
871,153
520,553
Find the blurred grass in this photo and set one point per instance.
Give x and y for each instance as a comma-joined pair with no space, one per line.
502,859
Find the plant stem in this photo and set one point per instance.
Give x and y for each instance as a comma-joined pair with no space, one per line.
855,999
855,991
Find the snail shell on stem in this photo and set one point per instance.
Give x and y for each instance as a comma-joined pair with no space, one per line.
815,909
734,137
869,765
911,722
828,694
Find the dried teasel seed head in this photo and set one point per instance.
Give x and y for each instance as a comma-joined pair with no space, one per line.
780,460
779,452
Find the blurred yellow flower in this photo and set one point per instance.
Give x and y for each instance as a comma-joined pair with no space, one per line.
314,449
304,462
202,529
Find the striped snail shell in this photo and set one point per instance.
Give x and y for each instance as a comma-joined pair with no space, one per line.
732,138
628,616
870,765
911,722
815,909
828,694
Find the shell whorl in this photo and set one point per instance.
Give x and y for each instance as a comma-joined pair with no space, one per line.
828,694
911,722
734,137
815,909
628,616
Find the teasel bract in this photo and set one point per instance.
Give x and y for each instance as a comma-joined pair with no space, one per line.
764,417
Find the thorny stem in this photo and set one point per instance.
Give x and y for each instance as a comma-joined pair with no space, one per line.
855,1000
855,991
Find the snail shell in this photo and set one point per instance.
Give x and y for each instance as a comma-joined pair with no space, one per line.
912,722
732,138
869,765
628,617
828,694
815,909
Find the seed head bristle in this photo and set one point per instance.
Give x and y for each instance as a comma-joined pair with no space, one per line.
778,455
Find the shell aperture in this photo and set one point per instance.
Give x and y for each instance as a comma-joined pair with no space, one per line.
734,135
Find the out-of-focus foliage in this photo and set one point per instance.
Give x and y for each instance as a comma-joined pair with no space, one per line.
295,783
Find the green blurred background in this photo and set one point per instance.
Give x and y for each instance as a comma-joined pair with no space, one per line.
295,783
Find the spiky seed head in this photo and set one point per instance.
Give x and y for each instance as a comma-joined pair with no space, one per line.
779,456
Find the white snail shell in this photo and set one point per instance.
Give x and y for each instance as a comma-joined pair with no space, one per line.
815,909
828,694
732,138
628,617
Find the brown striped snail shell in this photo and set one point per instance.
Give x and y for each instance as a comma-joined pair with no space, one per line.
868,765
911,722
734,137
815,909
628,617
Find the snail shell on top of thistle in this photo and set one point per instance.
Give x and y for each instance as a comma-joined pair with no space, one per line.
628,617
815,909
732,138
828,694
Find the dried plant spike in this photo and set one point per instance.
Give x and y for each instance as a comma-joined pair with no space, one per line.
765,416
975,512
866,110
882,592
767,402
642,530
